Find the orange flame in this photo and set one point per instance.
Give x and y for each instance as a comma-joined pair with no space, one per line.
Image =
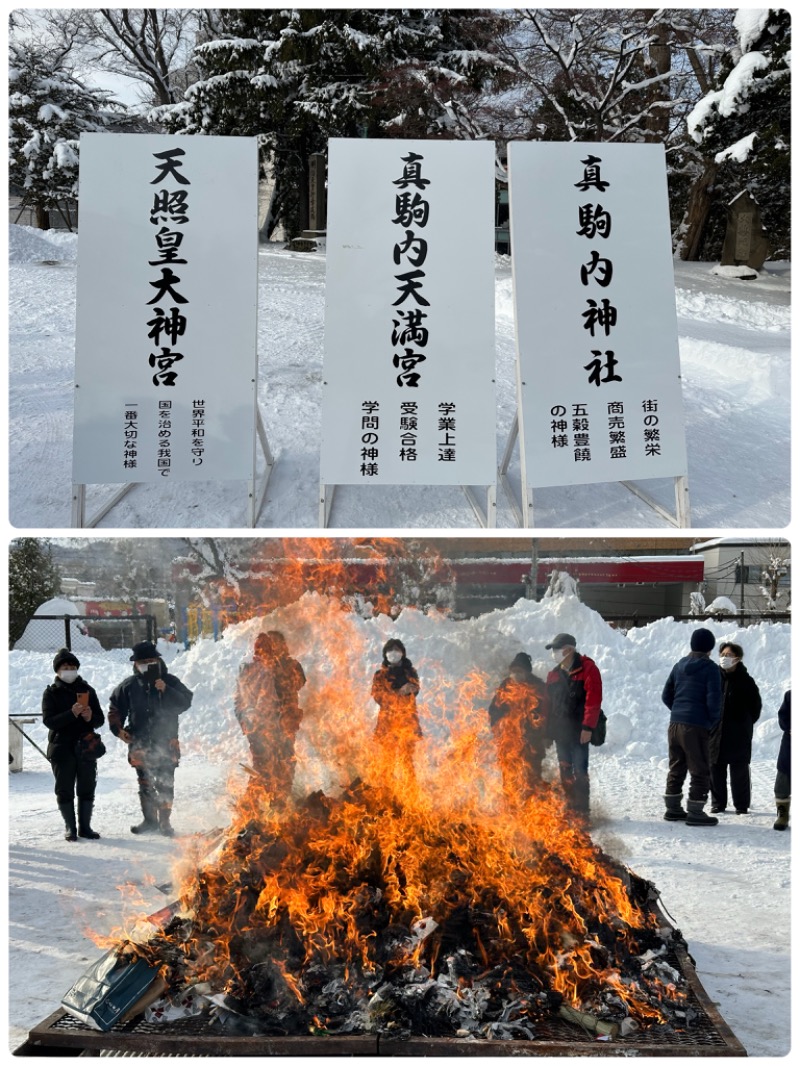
435,820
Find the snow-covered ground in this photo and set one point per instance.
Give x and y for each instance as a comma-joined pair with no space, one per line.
735,355
727,888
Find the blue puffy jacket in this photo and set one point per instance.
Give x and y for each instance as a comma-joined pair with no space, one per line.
693,691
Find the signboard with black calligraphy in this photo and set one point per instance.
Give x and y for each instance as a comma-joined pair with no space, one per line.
597,337
409,316
165,354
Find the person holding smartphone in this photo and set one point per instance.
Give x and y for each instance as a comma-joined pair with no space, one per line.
143,712
70,709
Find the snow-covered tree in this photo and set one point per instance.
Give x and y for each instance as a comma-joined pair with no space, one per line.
295,78
743,126
609,74
151,46
625,74
560,584
49,108
33,578
697,603
776,568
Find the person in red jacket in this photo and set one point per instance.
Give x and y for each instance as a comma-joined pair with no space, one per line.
575,689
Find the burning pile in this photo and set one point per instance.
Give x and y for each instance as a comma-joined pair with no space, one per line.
358,914
417,893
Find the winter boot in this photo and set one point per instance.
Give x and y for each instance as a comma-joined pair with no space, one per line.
580,795
150,823
782,821
696,815
164,826
85,808
68,814
674,811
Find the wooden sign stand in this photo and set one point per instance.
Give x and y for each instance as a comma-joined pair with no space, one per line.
255,492
524,513
486,519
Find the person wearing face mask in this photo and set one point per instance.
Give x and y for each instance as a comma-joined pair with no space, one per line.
268,710
143,712
730,745
394,688
575,689
70,709
517,716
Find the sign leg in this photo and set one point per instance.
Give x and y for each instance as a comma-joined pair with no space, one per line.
326,494
682,508
78,506
491,507
528,498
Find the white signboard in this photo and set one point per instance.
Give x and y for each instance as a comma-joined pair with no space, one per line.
165,360
597,337
409,316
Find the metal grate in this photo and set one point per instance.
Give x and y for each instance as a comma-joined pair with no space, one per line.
708,1036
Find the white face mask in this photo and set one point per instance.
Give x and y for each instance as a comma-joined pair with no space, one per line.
558,654
394,656
144,667
727,661
68,675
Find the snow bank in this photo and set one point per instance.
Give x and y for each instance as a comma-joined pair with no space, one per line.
26,244
53,633
58,890
634,666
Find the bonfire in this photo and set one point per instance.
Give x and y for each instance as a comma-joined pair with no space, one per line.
431,901
365,914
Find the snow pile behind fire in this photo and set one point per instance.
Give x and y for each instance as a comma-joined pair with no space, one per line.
340,650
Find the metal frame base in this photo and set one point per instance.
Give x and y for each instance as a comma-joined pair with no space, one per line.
255,492
524,513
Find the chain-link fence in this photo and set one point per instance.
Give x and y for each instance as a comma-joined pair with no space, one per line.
630,621
49,632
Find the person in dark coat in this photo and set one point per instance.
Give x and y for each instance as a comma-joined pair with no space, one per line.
394,688
692,693
518,717
730,745
783,777
575,691
268,710
70,710
143,712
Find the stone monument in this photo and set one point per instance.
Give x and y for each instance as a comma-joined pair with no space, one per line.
309,240
745,243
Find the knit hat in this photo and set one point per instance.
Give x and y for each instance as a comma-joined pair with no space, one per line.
63,658
145,649
522,661
702,640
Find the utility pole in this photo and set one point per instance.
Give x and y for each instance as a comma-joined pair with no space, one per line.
533,580
741,583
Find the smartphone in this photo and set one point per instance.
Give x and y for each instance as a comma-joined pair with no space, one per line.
83,698
152,673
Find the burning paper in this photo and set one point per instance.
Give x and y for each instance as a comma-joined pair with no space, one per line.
361,915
